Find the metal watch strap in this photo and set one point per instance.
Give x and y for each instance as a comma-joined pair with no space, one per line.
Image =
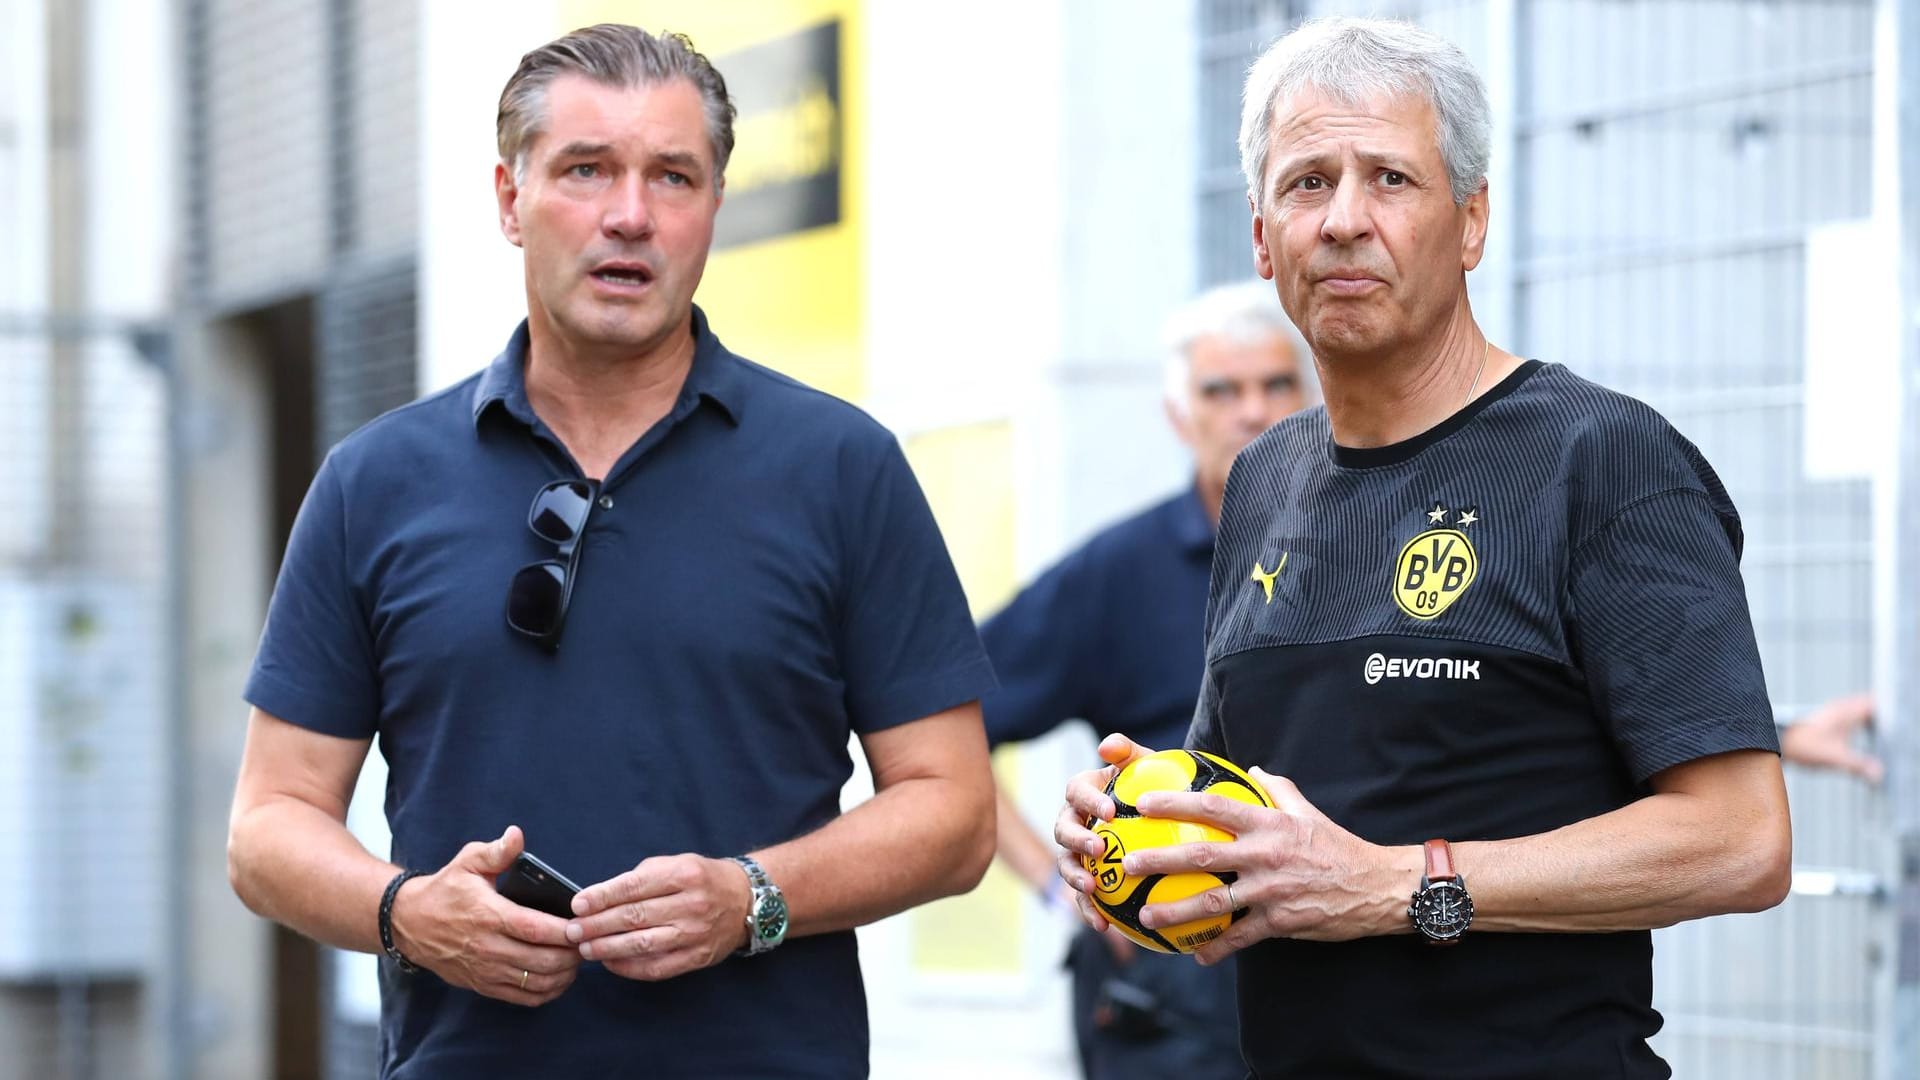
386,920
756,877
759,886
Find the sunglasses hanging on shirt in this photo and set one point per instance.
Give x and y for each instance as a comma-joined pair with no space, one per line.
538,595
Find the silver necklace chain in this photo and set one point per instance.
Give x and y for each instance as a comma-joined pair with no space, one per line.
1485,348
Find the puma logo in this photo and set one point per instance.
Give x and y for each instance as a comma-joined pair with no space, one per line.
1265,577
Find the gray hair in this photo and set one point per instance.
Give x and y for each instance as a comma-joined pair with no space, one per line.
1351,60
613,55
1244,313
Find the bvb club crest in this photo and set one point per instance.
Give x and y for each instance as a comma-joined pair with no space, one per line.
1435,567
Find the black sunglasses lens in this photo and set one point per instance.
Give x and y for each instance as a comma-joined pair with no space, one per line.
560,510
534,599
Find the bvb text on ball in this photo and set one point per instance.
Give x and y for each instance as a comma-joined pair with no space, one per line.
1119,895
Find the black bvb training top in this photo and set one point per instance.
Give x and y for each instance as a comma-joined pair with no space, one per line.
1494,629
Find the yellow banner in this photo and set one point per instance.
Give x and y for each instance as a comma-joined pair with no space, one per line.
784,284
967,472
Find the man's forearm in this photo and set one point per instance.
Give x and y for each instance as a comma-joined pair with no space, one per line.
1712,838
1674,855
1648,865
292,863
914,841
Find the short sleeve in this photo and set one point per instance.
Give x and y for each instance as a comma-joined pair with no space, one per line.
1204,733
315,665
1660,628
1038,644
907,642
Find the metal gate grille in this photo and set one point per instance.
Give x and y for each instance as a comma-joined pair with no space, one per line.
1673,157
1232,35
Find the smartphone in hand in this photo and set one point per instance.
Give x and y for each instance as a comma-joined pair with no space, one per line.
532,883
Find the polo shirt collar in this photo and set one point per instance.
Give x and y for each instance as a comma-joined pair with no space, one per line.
714,377
1191,526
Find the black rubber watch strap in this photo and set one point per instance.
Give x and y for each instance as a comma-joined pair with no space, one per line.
386,920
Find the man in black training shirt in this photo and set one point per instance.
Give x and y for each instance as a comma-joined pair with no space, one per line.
1505,665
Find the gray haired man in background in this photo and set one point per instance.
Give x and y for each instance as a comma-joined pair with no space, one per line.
1111,635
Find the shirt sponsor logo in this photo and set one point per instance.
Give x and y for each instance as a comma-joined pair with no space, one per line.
1423,667
1436,567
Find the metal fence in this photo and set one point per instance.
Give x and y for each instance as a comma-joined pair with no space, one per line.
83,700
1674,158
83,593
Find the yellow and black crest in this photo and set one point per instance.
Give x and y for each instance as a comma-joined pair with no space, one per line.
1436,567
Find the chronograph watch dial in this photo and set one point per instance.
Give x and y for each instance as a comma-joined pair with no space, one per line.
1441,909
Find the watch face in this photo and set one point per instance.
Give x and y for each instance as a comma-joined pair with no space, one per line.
1443,910
770,917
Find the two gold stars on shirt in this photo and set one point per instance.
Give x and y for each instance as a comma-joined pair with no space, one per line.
1436,516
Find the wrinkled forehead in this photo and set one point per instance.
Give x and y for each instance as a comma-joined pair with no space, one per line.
1314,119
666,116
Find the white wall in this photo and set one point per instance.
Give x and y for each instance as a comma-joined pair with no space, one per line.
471,290
1032,219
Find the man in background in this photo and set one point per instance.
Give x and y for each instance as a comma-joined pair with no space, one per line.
1111,635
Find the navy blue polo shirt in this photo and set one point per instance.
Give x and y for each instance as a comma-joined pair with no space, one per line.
762,580
1112,634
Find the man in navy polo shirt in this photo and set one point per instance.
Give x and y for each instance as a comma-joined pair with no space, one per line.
621,598
1111,635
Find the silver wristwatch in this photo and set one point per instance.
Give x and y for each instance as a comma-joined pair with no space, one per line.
766,914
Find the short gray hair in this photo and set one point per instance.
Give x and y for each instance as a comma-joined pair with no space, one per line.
614,55
1351,60
1243,313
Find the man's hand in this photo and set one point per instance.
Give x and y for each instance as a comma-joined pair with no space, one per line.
1823,738
1299,874
1087,799
670,915
456,925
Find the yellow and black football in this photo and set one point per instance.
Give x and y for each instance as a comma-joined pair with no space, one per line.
1119,895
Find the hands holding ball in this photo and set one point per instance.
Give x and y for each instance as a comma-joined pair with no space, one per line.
1181,851
1121,896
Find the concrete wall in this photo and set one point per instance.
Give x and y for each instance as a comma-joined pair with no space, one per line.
223,412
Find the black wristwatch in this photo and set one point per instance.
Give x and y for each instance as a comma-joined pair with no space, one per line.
1441,908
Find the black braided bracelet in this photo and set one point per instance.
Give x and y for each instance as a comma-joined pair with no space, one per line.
386,920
